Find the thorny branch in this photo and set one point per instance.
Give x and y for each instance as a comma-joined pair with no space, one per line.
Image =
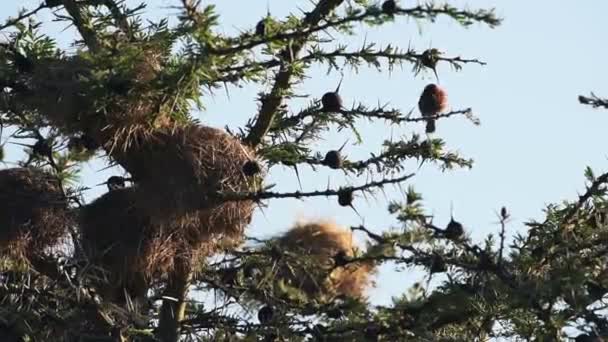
83,24
593,101
411,56
273,100
420,12
261,195
395,116
12,21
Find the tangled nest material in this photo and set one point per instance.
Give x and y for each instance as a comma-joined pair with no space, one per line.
119,242
66,93
138,234
320,243
169,216
34,216
178,169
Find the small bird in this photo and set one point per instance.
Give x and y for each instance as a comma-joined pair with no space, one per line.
115,183
433,101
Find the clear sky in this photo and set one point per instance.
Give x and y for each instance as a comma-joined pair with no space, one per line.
531,149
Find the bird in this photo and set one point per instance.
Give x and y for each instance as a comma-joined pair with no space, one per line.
115,183
433,101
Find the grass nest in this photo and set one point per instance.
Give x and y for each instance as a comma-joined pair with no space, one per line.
58,90
128,249
311,264
121,244
34,215
66,92
177,169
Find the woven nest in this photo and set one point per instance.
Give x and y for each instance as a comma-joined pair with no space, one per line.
64,92
128,249
121,242
176,170
140,106
320,242
34,218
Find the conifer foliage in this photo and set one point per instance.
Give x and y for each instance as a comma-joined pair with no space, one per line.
133,264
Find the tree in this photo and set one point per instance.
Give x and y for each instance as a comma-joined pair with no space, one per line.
128,265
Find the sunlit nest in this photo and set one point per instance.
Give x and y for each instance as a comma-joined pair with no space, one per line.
310,266
34,215
178,168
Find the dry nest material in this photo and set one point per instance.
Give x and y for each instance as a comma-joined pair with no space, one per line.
66,93
120,243
311,266
128,248
57,90
34,217
178,168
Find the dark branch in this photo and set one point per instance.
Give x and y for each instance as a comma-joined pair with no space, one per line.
83,24
12,21
273,100
593,101
261,195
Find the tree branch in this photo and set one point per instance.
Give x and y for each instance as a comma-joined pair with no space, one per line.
282,80
593,101
119,16
173,308
12,21
260,195
419,12
83,24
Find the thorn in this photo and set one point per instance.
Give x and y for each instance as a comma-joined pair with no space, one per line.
452,210
295,167
436,76
342,147
339,83
356,212
228,91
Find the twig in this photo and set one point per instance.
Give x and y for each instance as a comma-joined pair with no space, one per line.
272,101
503,224
83,25
260,195
418,12
593,101
12,21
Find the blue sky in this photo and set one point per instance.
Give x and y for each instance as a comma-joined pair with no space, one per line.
531,149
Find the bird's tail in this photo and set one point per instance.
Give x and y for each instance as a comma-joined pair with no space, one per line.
430,126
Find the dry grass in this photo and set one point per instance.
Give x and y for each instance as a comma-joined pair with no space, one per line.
129,249
34,216
177,167
55,90
117,239
321,242
62,93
